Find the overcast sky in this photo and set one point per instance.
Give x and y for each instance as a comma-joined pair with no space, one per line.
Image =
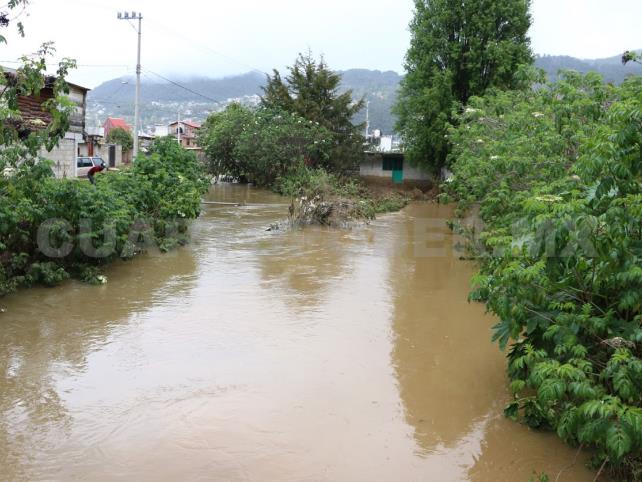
223,37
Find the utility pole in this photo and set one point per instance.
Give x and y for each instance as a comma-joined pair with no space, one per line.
178,128
135,16
367,119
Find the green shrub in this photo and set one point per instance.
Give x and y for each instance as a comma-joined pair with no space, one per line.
121,137
262,145
557,175
125,213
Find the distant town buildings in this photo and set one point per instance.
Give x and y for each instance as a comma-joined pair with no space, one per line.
186,133
80,142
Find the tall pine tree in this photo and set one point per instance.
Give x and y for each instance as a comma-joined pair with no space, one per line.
312,91
458,49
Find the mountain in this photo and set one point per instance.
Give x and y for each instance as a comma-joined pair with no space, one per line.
611,68
163,101
379,89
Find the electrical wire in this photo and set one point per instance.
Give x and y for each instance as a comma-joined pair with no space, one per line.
206,47
53,64
183,87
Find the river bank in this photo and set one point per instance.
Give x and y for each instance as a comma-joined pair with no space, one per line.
313,354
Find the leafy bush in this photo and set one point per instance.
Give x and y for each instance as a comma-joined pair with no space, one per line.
262,145
557,175
219,137
121,137
306,182
86,226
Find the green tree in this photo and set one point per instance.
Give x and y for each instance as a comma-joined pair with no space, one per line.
21,140
312,91
122,137
458,50
262,145
278,143
219,137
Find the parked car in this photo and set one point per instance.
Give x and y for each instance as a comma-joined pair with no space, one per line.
83,164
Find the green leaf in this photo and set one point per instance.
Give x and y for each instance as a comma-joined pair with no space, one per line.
551,390
512,410
618,442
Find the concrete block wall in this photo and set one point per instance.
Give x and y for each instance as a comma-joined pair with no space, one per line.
372,166
411,173
63,157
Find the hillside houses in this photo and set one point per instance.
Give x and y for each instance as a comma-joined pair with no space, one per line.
82,141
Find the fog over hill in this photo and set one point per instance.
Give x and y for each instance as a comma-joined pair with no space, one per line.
162,101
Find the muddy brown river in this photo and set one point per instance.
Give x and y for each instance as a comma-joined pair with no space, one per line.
313,355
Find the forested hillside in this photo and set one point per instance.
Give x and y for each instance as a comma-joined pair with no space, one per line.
162,101
611,68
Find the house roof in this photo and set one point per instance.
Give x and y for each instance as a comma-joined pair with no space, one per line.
117,122
189,123
49,79
32,115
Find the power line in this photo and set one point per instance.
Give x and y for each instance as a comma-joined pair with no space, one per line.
53,64
208,48
183,87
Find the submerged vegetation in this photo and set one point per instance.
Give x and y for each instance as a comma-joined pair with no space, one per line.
301,143
53,229
556,172
331,200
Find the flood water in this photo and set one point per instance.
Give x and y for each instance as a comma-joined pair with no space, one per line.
253,355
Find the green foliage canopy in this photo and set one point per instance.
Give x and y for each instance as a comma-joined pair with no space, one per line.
557,175
122,137
121,216
458,50
219,137
262,145
311,91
